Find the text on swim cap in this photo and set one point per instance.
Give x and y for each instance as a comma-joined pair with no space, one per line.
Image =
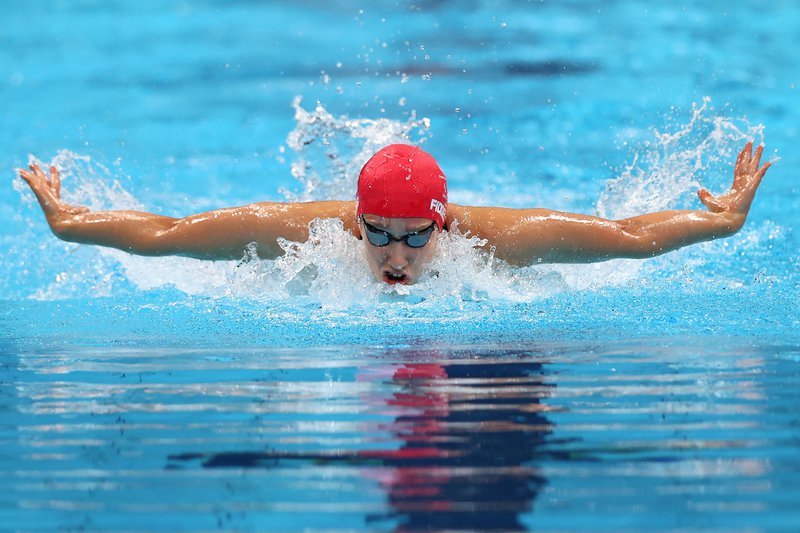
438,206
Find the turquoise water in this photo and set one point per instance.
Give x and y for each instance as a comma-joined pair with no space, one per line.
170,394
665,435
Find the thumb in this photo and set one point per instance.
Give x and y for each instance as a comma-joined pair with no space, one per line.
710,201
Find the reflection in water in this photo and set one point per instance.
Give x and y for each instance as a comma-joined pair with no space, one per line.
469,436
466,432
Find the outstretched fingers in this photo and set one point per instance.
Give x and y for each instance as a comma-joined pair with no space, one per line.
759,175
38,180
752,161
25,175
48,191
45,189
747,175
740,169
31,176
757,156
55,181
34,175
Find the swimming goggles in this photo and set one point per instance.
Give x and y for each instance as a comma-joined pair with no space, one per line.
379,237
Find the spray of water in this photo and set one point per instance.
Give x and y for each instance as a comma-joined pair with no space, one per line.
665,173
668,170
90,182
330,151
329,269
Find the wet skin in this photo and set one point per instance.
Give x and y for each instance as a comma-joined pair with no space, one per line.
397,262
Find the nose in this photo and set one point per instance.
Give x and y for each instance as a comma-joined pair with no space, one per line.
396,256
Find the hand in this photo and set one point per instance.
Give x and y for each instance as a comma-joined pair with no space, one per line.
48,192
746,178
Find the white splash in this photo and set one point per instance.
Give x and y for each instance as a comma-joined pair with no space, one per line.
329,269
330,151
91,183
667,171
666,174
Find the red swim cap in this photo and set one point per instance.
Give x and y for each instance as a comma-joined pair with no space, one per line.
402,181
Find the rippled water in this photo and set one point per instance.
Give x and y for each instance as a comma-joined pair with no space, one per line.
166,394
550,436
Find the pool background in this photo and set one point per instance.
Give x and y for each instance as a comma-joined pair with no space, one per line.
188,105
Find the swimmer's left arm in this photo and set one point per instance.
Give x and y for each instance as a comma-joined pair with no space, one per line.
530,236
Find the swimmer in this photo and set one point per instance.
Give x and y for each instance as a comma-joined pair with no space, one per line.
400,210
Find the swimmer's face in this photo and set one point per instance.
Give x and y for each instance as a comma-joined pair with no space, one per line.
397,262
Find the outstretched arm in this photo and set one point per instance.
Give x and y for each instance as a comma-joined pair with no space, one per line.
220,234
529,236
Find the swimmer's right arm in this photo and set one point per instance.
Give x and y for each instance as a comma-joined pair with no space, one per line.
216,235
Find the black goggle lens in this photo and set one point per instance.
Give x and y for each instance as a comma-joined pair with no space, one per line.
378,237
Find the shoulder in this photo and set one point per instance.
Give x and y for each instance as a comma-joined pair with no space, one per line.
480,219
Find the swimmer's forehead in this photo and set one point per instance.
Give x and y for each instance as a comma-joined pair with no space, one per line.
407,225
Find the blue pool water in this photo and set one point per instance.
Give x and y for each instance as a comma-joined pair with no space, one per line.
167,394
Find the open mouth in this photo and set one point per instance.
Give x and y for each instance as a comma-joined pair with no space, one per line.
395,277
